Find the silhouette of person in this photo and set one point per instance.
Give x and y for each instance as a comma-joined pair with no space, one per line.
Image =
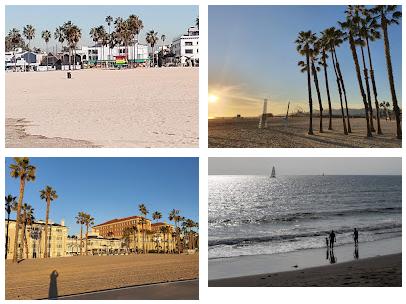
333,259
356,252
327,242
355,236
332,239
327,255
53,285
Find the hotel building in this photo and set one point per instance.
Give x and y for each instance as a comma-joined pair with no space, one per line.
186,47
57,240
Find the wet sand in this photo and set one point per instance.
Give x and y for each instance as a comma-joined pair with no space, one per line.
377,271
103,108
244,133
31,279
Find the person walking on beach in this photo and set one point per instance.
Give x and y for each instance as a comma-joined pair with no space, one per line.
332,238
355,236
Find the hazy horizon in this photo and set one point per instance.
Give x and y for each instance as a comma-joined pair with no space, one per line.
252,56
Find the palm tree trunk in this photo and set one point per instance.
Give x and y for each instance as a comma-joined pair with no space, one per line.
330,113
87,233
316,83
344,91
371,71
8,222
47,56
25,241
20,200
81,239
340,93
371,116
390,76
361,86
46,229
309,89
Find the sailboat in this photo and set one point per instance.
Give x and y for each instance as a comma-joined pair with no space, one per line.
273,175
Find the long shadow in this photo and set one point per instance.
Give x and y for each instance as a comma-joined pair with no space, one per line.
53,285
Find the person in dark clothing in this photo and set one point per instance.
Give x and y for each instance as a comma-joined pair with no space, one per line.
327,242
355,236
332,238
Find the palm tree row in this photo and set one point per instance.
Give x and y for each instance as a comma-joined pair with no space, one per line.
22,169
361,27
86,219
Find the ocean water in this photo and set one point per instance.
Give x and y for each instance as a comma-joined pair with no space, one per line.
251,215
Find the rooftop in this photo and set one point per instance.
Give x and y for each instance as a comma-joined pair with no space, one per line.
118,220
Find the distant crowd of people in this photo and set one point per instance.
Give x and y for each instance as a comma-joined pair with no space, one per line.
331,239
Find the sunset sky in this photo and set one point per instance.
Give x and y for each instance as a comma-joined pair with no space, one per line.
252,56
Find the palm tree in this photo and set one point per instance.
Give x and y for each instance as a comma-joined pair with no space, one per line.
156,216
10,205
48,194
359,25
152,39
165,230
323,46
134,230
94,34
72,35
29,33
88,220
163,38
15,39
25,172
371,33
144,212
334,39
303,42
46,35
109,21
27,220
60,36
80,219
174,215
313,58
351,28
388,15
124,33
136,26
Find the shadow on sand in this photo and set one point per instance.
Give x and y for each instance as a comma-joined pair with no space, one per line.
53,285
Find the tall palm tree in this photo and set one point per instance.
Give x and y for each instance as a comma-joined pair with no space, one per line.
351,29
323,46
48,194
359,25
388,15
136,26
124,33
94,34
46,35
60,37
80,219
163,38
21,169
29,33
27,220
371,33
156,216
313,58
303,42
89,220
152,39
72,35
144,211
134,230
174,216
109,21
165,230
11,204
15,39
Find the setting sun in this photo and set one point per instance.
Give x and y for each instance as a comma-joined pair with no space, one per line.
213,98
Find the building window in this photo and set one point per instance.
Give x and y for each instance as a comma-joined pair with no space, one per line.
188,43
188,51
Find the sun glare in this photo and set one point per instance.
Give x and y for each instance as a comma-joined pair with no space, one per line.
213,98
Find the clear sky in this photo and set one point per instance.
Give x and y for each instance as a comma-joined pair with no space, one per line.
169,20
305,165
252,55
109,188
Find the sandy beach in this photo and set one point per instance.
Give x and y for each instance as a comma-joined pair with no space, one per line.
143,107
377,271
30,279
244,133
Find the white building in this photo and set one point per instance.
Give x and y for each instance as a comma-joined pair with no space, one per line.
92,54
186,47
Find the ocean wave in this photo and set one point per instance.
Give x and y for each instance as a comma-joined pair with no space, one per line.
376,229
291,217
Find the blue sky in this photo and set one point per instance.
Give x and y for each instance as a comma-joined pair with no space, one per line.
252,56
169,20
109,188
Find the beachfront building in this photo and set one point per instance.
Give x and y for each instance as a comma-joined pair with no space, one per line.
130,230
34,234
20,60
186,47
96,245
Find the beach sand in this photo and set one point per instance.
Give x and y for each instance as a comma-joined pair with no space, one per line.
377,271
30,279
145,107
244,133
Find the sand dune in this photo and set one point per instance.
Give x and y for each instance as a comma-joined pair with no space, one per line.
107,108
